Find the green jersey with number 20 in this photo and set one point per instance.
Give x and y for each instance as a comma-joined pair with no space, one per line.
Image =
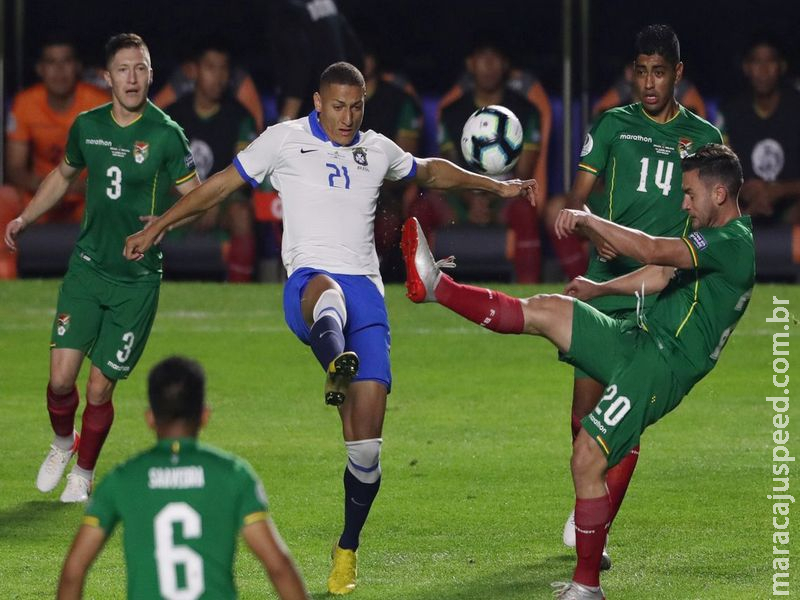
182,505
640,162
131,171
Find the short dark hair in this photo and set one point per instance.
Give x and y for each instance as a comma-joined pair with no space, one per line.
488,39
768,39
121,41
341,73
716,163
658,39
176,390
58,38
214,44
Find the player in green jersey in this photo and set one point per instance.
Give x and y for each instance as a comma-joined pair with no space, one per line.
134,154
648,362
182,504
635,151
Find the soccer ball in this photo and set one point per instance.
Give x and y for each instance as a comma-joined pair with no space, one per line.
492,140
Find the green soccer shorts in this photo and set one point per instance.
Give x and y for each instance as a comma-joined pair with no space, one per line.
110,322
640,385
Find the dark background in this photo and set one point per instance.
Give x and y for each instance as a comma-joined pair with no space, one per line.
424,39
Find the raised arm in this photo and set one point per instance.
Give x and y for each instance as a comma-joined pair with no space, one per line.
209,193
266,543
47,196
649,250
84,550
441,174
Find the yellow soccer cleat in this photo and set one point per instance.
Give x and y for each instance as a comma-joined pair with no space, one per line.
340,373
342,579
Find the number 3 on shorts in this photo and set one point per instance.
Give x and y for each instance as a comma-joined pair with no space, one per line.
614,412
127,346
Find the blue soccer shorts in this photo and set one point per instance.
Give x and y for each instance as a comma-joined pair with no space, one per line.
367,329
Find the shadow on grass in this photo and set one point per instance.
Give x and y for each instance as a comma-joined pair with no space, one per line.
531,580
37,514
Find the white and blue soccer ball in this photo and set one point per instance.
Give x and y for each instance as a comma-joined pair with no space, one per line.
491,141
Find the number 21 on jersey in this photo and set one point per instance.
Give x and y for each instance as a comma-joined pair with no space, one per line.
663,179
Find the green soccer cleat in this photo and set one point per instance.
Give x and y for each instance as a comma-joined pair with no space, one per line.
342,579
340,373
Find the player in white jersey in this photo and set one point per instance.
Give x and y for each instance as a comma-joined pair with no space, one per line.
329,175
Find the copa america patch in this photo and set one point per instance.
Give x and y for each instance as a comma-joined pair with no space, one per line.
588,144
188,160
698,240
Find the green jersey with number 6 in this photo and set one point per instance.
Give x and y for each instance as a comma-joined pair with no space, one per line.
131,171
640,162
182,505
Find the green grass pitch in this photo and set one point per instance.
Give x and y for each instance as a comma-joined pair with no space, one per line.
476,482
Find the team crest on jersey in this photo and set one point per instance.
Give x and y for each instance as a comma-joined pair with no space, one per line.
684,147
63,323
360,156
141,150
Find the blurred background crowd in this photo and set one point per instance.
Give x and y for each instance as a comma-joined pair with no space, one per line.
224,71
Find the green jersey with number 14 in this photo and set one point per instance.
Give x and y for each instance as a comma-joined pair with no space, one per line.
182,505
640,161
131,171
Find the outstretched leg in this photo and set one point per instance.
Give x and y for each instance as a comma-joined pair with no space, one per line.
546,315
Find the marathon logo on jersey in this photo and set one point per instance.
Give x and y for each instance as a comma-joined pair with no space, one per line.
698,240
360,156
118,368
635,137
63,324
684,147
141,150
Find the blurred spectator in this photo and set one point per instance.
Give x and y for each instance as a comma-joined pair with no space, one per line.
622,93
218,127
36,135
488,82
307,36
763,127
240,85
392,109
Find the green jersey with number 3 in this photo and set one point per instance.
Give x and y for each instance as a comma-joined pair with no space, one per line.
640,162
182,505
131,171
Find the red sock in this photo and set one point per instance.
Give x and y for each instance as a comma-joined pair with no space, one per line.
241,258
571,255
618,477
62,410
592,518
576,426
488,308
97,419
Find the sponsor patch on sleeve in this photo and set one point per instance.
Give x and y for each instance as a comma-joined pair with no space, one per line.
588,144
698,240
189,161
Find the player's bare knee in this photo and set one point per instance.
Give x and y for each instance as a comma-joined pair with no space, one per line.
540,311
364,459
99,388
61,384
311,295
587,458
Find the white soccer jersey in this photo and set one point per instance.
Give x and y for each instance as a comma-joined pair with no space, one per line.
328,192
